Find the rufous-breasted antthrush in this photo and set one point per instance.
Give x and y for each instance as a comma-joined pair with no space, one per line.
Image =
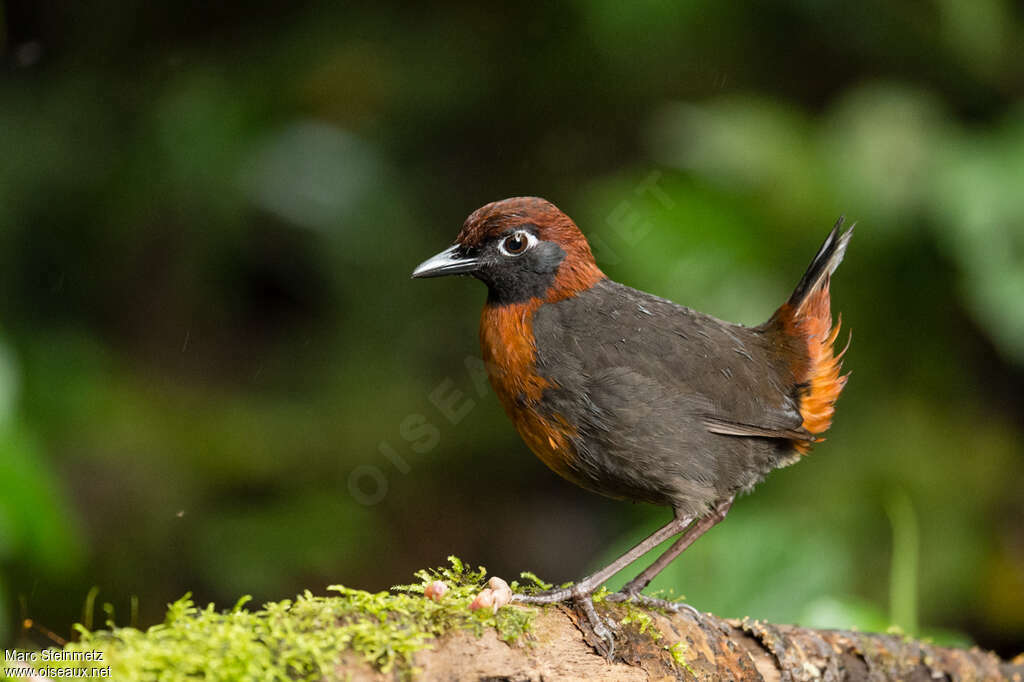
633,396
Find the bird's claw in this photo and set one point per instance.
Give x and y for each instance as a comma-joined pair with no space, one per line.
651,602
603,628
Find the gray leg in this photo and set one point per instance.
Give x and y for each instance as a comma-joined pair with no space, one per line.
582,592
632,589
586,587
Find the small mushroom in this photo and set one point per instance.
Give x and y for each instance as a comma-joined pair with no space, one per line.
502,592
435,590
483,600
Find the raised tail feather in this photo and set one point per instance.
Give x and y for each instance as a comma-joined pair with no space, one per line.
806,318
825,262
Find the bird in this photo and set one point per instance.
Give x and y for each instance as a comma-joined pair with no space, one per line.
635,397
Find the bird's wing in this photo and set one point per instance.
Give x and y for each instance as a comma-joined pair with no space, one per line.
730,428
732,372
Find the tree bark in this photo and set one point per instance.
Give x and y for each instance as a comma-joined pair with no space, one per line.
561,647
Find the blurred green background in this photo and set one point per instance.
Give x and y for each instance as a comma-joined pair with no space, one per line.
213,363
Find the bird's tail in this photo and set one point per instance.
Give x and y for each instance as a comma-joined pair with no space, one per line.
825,262
805,321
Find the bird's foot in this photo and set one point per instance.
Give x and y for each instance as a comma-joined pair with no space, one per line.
581,595
651,602
603,628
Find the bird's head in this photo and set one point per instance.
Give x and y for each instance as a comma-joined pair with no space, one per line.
522,248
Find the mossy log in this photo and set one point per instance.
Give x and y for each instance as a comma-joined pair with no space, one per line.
401,634
682,647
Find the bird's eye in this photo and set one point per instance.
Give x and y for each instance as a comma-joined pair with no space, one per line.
516,243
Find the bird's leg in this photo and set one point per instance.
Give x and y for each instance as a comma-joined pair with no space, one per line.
631,590
582,593
588,585
703,525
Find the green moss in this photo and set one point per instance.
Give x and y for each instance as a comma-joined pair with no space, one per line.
642,620
534,583
678,651
305,638
300,639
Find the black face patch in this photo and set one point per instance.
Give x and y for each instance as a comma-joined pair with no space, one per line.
516,279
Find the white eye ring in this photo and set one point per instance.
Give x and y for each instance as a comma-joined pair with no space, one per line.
528,241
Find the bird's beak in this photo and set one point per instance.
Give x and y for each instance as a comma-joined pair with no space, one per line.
448,262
